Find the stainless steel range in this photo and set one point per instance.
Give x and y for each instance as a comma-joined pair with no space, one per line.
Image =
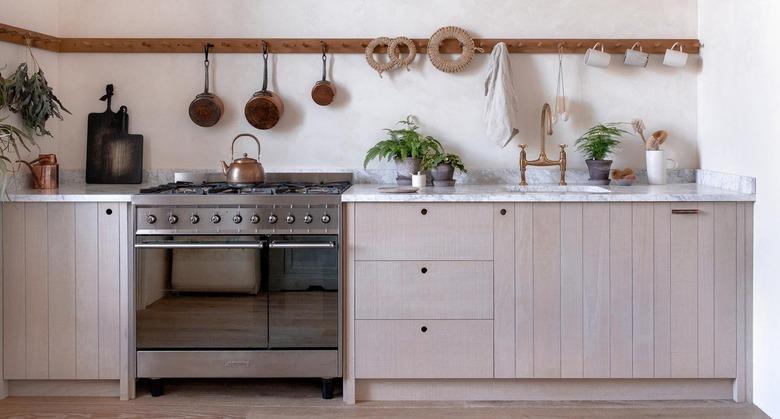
239,281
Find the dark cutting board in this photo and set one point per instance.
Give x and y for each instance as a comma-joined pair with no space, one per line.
122,155
99,126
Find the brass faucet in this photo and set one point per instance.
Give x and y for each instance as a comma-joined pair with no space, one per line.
543,160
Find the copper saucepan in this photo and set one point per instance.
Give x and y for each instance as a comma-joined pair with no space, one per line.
206,109
324,91
265,108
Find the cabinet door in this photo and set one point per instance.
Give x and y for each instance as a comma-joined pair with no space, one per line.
629,290
61,273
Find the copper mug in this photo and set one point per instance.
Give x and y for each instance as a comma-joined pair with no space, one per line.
45,171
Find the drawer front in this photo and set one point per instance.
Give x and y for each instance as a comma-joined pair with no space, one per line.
423,349
424,290
424,231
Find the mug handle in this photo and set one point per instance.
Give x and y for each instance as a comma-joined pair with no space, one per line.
674,165
597,45
637,44
677,44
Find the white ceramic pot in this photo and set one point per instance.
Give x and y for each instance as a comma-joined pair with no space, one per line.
657,166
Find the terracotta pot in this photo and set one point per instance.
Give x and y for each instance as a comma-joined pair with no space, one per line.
443,172
405,169
599,170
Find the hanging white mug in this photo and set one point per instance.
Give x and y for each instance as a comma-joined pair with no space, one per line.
675,58
636,58
657,165
597,58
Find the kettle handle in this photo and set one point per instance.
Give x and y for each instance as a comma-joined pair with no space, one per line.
233,145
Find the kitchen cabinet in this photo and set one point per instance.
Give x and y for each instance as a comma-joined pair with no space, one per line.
62,264
628,293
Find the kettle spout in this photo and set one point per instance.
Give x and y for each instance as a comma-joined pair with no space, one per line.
224,168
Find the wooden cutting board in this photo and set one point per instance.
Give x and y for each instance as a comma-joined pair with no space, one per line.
122,155
100,125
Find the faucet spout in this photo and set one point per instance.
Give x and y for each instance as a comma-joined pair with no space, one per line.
546,127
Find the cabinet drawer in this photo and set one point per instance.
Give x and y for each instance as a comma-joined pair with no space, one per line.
424,231
423,348
424,290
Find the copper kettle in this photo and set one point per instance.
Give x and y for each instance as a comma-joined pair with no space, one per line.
45,171
244,170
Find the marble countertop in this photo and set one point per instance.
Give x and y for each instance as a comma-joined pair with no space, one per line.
685,192
74,192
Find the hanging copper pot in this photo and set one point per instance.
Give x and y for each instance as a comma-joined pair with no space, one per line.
206,109
323,91
265,108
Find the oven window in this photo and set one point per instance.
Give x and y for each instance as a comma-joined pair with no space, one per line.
201,293
304,284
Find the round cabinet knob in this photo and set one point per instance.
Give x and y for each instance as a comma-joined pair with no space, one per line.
194,219
237,219
290,219
173,219
272,219
151,219
325,219
255,219
308,219
216,218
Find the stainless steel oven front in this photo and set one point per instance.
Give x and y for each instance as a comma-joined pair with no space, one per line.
231,303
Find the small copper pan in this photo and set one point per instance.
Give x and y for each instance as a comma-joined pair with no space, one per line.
206,109
265,108
323,91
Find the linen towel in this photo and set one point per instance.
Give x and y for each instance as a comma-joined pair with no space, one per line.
501,101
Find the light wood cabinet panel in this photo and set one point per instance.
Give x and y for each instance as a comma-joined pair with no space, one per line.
61,272
684,292
524,291
595,291
423,349
14,300
643,293
108,290
620,293
662,290
425,231
706,288
424,290
87,318
504,291
62,291
571,290
726,254
547,290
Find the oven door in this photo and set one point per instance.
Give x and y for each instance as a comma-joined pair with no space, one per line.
304,292
201,293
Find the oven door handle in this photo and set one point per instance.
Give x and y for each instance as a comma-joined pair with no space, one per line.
204,245
301,245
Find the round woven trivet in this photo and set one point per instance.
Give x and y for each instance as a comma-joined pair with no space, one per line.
395,53
379,67
451,32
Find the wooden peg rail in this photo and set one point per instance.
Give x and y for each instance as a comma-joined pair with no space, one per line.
314,45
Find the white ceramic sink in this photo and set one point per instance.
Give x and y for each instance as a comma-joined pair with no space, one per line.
556,189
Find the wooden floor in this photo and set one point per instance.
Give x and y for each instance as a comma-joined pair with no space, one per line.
300,399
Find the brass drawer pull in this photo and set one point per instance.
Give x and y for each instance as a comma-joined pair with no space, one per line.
685,211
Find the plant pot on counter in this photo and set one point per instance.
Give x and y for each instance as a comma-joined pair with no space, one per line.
443,175
599,171
405,168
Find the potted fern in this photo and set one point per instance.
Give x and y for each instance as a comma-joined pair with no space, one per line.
442,167
407,147
596,145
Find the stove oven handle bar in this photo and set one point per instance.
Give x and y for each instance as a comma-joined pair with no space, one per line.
301,245
259,245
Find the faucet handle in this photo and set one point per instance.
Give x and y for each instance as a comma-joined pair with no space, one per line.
522,146
563,147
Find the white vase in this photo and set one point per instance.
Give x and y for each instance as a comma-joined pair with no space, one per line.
657,165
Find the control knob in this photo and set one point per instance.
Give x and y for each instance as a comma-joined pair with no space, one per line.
272,219
194,219
325,219
237,219
216,218
308,219
151,219
290,219
173,219
255,219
